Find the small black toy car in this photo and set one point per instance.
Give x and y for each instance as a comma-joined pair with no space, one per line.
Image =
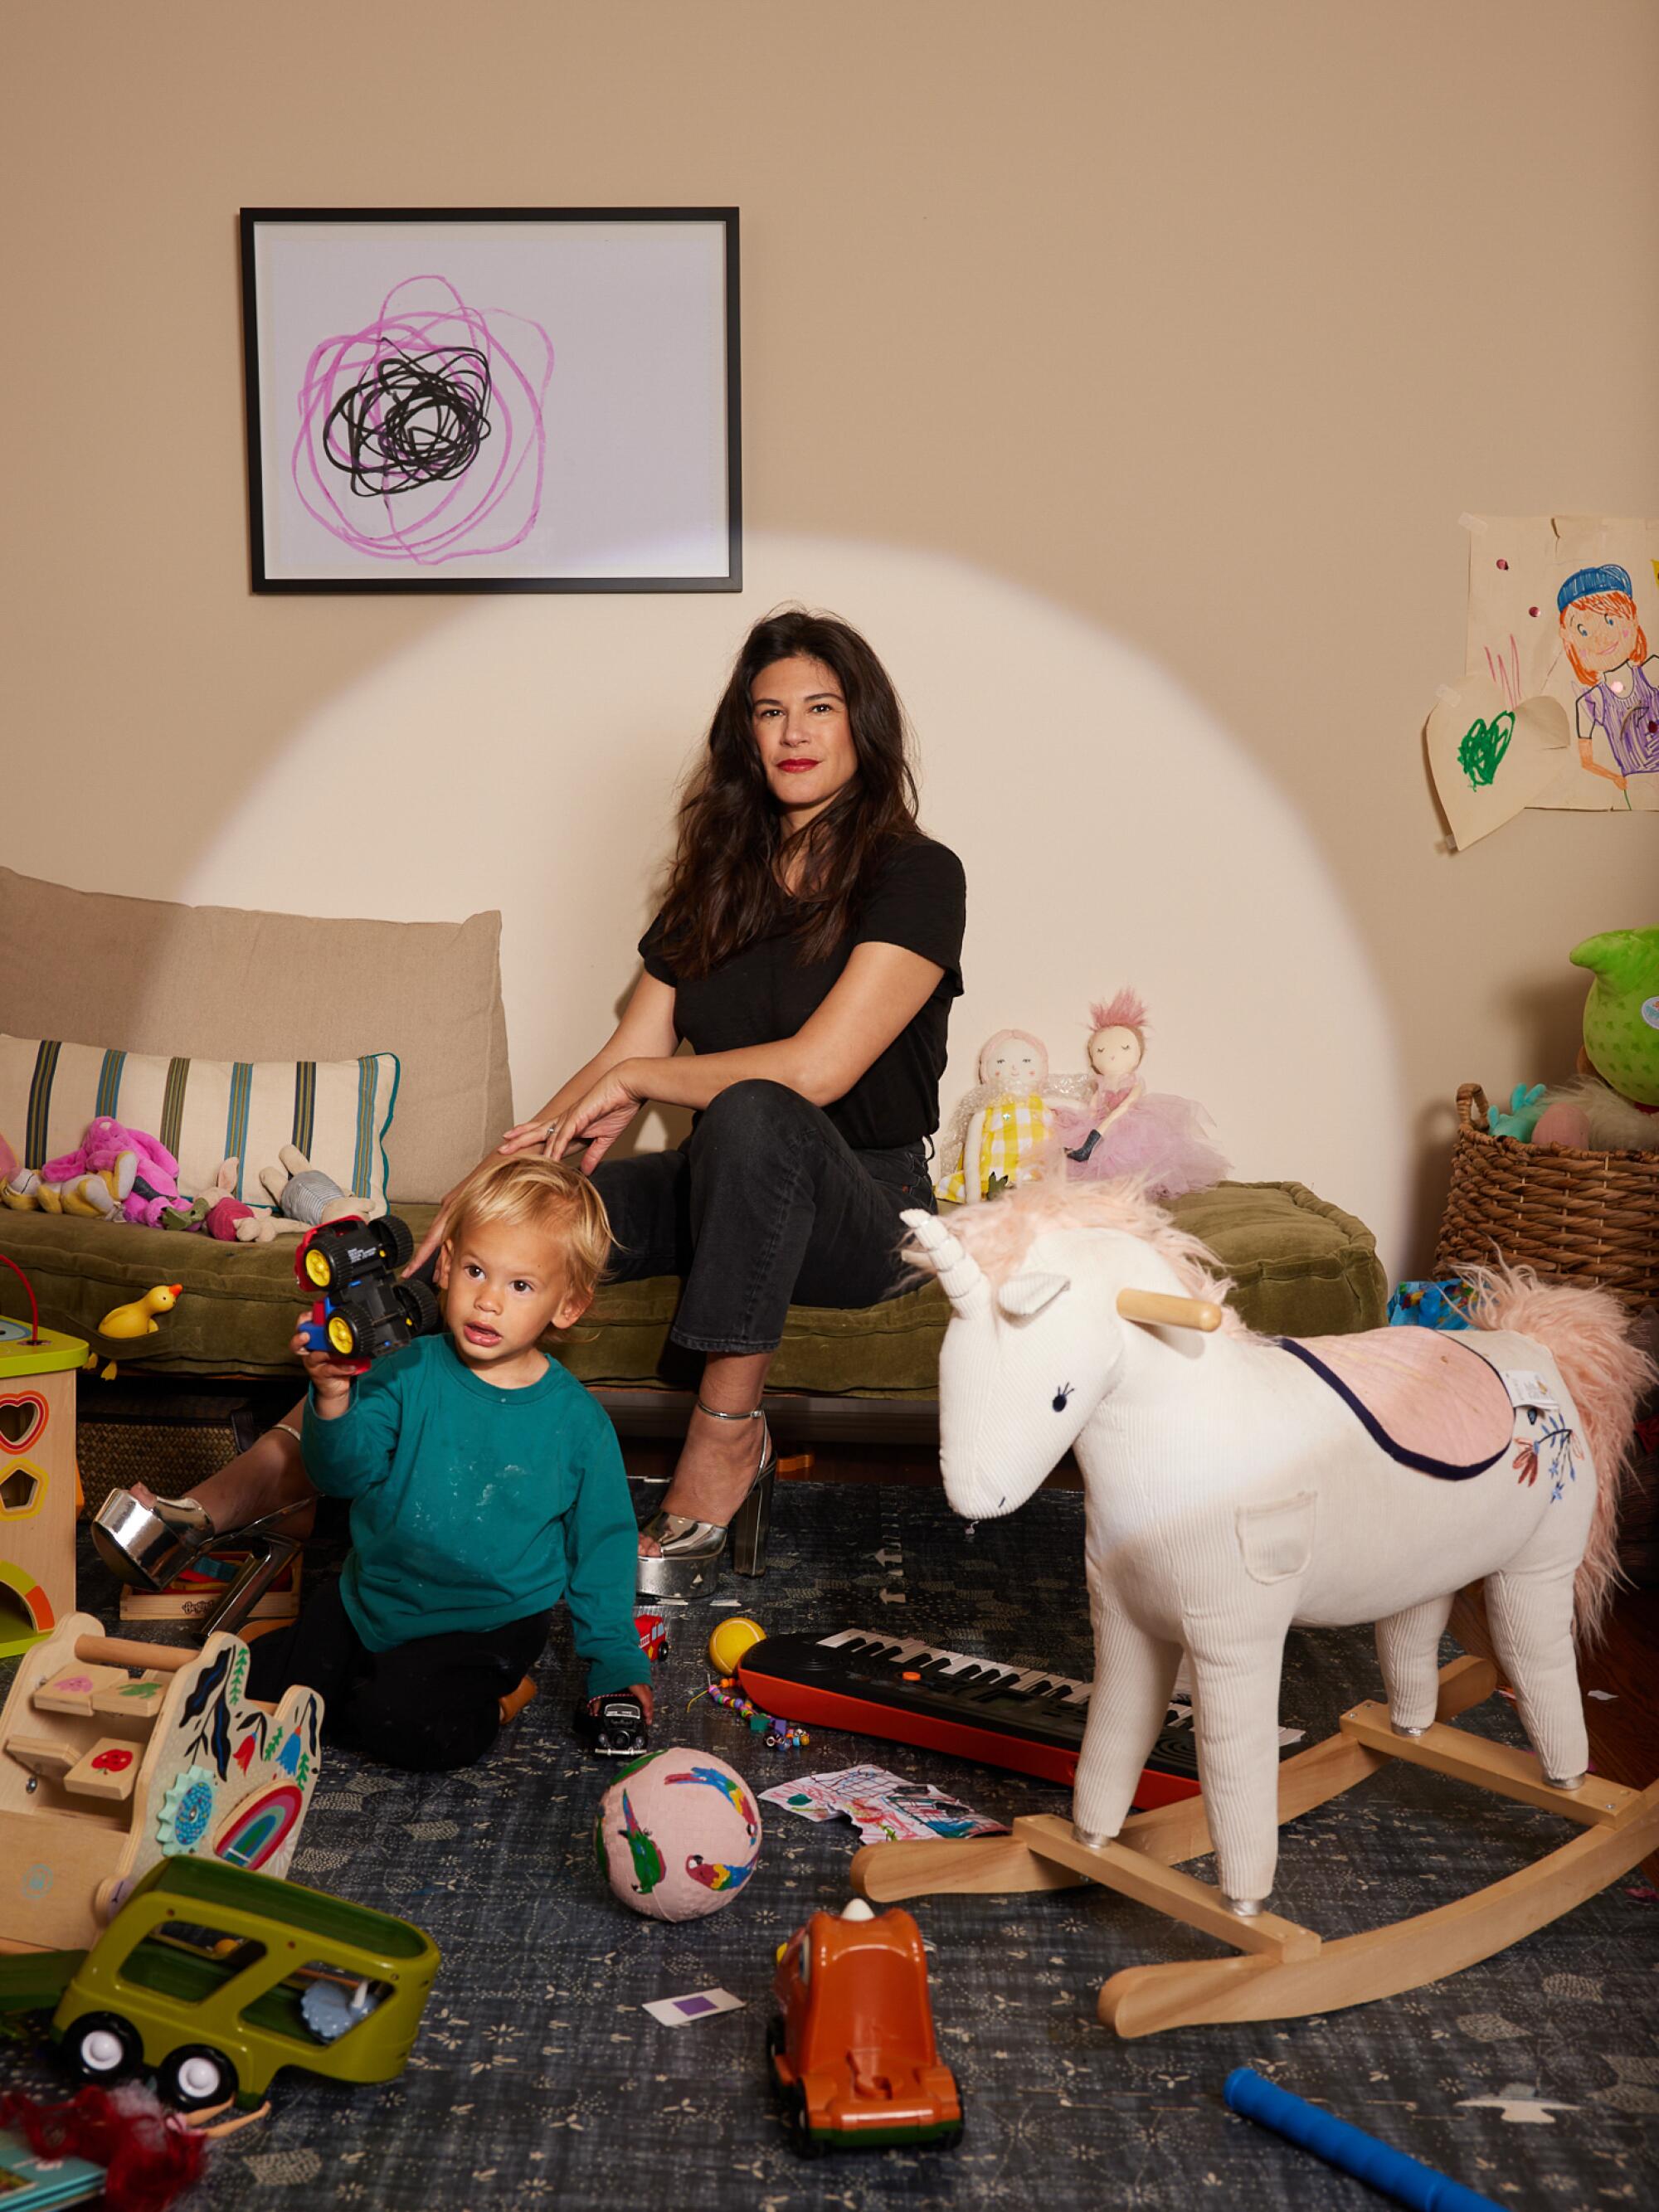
613,1726
363,1310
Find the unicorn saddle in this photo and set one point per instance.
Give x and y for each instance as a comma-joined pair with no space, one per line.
1429,1400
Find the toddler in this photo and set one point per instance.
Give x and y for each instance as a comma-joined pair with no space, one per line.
485,1487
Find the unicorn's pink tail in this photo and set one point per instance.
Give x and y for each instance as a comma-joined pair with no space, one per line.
1587,1334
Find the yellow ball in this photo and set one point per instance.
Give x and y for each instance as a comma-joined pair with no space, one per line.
731,1640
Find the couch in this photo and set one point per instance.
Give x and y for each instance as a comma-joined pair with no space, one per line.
151,977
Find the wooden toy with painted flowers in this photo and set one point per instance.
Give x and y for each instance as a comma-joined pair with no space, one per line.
160,1746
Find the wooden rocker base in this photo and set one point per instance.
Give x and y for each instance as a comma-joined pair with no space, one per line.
1286,1972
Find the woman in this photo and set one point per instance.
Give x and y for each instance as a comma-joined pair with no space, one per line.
808,947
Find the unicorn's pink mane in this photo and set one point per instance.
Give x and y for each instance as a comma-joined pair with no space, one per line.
1124,1010
1000,1232
1587,1334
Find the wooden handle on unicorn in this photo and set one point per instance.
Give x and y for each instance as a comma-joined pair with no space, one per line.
1169,1312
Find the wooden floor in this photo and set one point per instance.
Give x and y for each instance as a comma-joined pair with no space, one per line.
1623,1726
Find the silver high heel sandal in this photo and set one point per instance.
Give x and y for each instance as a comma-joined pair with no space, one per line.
687,1568
148,1545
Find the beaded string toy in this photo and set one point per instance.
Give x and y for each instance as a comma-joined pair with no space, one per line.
778,1735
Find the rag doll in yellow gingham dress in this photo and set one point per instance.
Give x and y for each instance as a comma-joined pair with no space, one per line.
1000,1134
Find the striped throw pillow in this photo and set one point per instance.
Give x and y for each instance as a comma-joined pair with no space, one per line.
337,1112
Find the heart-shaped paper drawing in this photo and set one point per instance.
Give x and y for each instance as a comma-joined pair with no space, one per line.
1489,759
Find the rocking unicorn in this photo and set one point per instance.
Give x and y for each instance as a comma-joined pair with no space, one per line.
1237,1485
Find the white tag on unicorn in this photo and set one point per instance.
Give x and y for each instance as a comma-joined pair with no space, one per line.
1527,1389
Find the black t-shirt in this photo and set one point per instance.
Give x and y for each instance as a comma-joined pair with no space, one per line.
918,899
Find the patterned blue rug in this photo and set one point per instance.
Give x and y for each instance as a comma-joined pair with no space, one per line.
538,2079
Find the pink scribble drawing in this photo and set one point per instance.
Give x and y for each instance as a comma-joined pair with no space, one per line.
1505,669
421,436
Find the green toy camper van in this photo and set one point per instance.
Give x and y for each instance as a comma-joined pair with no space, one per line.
215,1977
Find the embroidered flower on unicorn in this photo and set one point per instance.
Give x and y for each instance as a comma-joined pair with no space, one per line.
1236,1486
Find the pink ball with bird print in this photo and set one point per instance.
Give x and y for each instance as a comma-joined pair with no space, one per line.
678,1834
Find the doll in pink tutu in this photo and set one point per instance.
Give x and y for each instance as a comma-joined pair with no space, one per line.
1125,1129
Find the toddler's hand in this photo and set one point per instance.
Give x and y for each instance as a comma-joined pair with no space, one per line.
330,1378
643,1692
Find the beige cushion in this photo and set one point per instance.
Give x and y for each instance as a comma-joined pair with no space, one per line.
216,982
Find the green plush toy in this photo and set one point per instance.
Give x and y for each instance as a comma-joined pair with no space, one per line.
1622,1015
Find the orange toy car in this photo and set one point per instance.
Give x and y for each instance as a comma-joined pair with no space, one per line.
852,2057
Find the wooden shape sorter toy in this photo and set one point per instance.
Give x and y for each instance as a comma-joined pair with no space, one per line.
116,1754
37,1481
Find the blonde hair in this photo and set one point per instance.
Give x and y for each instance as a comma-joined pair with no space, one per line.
551,1195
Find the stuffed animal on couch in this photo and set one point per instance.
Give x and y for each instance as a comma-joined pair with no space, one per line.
121,1174
304,1198
215,1211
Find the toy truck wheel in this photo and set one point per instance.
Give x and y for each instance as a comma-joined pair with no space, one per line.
319,1268
101,2046
418,1303
395,1242
194,2075
351,1329
796,2121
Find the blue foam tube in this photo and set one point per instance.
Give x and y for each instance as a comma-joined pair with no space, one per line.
1406,2179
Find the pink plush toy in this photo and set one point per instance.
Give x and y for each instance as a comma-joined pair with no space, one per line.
139,1172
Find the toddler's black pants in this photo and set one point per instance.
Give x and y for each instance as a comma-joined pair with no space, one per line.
427,1705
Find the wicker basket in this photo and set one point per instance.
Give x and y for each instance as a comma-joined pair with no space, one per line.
1576,1216
154,1430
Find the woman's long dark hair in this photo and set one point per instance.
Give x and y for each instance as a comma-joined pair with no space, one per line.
724,890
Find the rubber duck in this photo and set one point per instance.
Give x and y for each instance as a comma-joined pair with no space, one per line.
137,1319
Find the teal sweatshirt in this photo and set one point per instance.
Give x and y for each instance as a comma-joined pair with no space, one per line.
472,1506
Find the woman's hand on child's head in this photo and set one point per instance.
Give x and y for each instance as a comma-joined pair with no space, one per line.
330,1378
526,1136
597,1119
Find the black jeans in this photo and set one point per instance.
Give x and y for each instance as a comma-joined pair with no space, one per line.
427,1705
766,1204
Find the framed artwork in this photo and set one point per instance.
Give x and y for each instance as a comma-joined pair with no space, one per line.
492,399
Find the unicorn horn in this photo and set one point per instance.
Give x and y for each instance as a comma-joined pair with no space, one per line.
959,1275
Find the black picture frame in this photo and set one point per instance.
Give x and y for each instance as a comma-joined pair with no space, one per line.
435,423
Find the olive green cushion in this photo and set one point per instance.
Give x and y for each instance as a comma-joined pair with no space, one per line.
1303,1267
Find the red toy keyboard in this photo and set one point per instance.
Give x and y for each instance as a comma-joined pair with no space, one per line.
914,1693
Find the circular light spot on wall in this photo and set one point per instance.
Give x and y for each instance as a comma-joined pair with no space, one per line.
524,756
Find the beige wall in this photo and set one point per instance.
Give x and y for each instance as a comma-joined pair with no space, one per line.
1123,370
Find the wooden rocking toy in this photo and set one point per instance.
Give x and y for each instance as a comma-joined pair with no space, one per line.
1286,1972
1238,1485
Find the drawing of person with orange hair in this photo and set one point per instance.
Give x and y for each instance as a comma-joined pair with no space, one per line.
1608,650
